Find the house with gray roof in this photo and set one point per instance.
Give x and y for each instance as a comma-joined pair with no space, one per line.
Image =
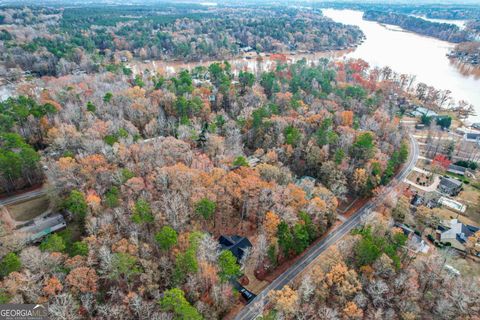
450,186
422,111
453,168
235,244
473,136
455,233
415,242
38,228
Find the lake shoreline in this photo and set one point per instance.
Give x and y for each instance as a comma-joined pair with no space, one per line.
412,54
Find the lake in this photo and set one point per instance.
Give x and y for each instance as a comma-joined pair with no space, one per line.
404,52
409,53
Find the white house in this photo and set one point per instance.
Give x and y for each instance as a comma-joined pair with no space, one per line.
455,233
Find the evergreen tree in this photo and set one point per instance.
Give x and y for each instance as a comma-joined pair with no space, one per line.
166,238
10,263
228,265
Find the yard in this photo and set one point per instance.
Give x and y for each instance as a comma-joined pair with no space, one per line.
26,210
420,178
446,214
424,164
466,265
254,285
471,197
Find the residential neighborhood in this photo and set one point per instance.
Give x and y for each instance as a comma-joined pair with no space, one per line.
239,160
444,188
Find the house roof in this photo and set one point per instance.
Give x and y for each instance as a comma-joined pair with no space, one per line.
473,136
418,244
235,244
456,168
253,161
419,111
40,227
417,200
450,183
458,231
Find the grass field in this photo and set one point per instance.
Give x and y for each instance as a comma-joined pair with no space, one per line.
471,197
446,214
420,178
24,211
466,266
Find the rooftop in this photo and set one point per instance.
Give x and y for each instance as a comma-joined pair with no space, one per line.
450,182
457,231
454,167
472,136
420,111
235,244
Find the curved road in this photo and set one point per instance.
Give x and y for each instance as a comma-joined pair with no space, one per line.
251,311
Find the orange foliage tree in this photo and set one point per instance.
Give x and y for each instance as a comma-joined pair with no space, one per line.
83,279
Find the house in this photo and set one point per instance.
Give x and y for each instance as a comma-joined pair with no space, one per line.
429,199
235,244
197,82
40,227
462,130
421,111
472,136
450,186
253,161
406,229
417,200
306,179
452,270
292,47
415,242
457,169
419,126
246,49
455,233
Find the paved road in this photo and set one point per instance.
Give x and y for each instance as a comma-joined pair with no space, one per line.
250,311
23,197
